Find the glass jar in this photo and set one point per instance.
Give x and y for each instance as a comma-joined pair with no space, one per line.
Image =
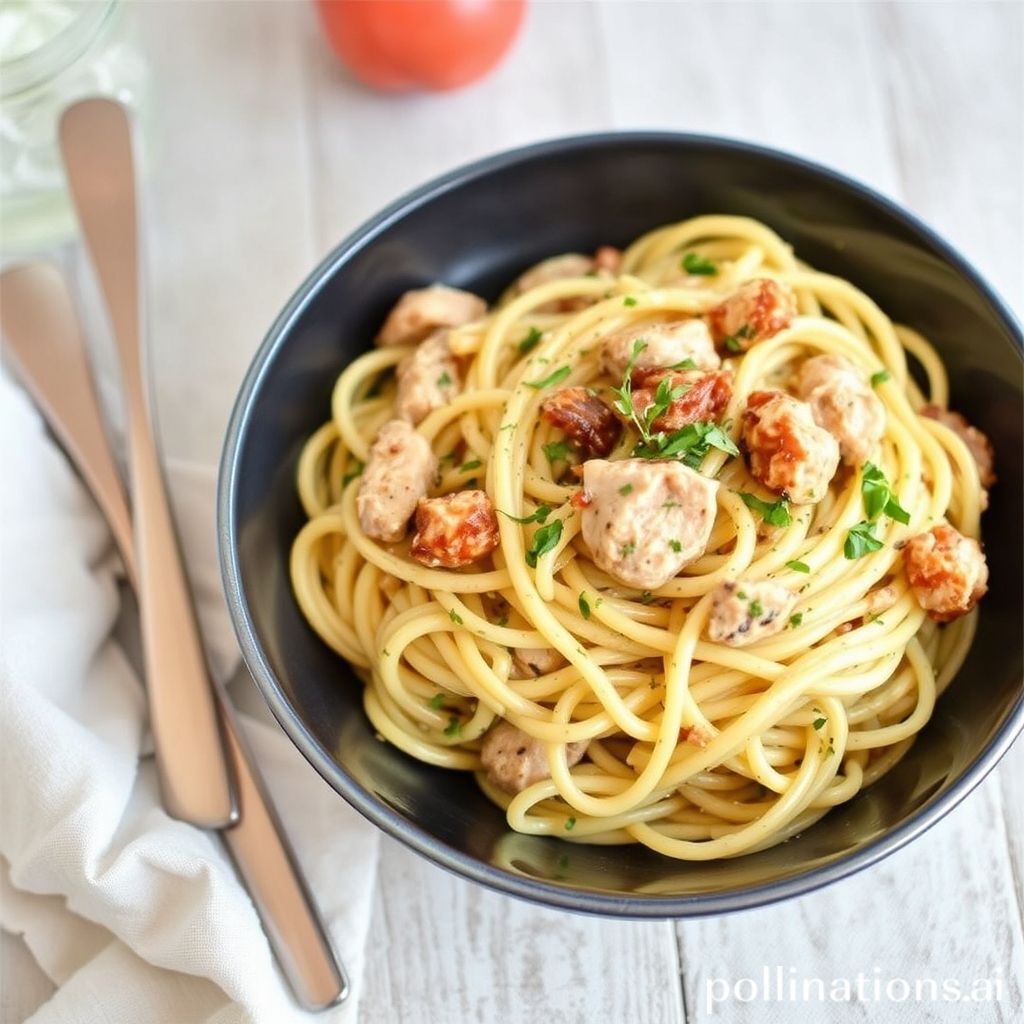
52,52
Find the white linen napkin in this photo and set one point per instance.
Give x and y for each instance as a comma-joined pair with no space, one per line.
135,917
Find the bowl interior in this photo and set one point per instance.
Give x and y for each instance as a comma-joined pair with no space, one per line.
477,230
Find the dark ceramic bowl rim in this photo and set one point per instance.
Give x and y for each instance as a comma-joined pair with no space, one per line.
563,897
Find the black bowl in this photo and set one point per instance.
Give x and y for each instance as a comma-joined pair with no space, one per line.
477,228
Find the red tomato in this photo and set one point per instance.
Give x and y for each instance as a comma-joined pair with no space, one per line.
399,45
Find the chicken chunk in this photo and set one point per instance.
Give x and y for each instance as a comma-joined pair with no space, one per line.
646,520
757,311
608,258
665,345
843,402
743,611
584,418
454,530
398,473
427,379
977,443
557,268
530,662
789,452
515,760
420,312
705,396
947,572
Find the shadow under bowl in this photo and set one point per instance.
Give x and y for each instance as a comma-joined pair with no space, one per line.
478,228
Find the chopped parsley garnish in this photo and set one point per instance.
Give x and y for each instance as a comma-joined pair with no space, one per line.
675,546
627,549
455,617
756,609
556,450
531,341
795,619
742,595
355,471
879,378
624,401
544,540
503,621
745,333
543,511
625,489
664,396
646,597
570,824
861,540
555,378
774,513
878,496
584,606
444,380
798,566
437,701
819,722
472,464
698,265
629,301
683,364
454,726
690,444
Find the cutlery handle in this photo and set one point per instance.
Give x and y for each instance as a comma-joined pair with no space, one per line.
41,332
267,864
96,143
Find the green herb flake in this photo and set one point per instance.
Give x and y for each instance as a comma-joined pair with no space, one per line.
454,726
570,824
629,301
879,378
861,540
503,621
819,722
646,597
756,609
544,540
627,549
626,489
742,595
437,701
556,451
455,617
555,378
444,380
584,606
472,464
774,513
531,341
795,619
355,471
690,444
698,265
798,566
675,546
539,516
624,401
878,496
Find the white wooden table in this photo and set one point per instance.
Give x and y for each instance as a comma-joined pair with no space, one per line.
266,155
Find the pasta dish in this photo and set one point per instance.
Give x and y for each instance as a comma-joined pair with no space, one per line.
667,545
